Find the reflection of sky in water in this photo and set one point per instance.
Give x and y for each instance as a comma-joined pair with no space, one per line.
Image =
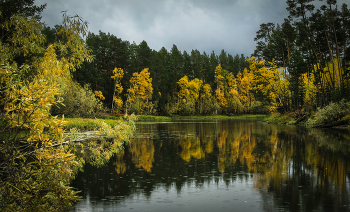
208,196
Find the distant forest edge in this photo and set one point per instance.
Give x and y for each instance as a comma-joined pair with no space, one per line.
299,65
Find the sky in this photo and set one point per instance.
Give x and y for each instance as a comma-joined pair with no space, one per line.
205,25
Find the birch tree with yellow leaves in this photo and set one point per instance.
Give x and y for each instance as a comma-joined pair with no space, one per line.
188,95
140,93
206,100
272,82
220,90
118,89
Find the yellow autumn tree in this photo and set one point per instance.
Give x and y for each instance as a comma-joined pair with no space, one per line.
310,91
233,101
206,104
36,157
28,154
246,84
140,93
271,81
99,95
117,103
220,90
188,95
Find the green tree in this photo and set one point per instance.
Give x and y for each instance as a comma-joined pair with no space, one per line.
77,101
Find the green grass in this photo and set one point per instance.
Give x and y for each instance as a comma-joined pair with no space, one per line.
177,117
280,118
87,123
220,117
152,118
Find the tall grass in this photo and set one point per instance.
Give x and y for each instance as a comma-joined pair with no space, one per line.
87,123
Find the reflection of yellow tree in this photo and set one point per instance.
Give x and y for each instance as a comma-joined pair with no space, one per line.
191,147
240,146
209,144
328,167
273,164
120,166
222,138
143,154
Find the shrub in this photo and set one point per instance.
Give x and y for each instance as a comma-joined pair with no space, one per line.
78,101
331,113
259,108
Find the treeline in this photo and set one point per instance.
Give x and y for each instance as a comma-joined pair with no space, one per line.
306,65
301,64
166,67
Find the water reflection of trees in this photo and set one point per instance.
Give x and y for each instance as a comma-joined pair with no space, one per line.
293,168
142,152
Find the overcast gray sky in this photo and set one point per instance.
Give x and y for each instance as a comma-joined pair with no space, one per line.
205,25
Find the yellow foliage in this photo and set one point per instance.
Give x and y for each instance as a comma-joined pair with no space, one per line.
118,74
219,78
220,98
118,89
36,155
245,84
310,91
189,90
220,91
272,82
99,95
188,94
140,91
206,99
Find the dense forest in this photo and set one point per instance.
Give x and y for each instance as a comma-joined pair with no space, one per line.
301,64
166,68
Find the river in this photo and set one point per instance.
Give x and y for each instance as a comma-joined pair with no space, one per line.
222,165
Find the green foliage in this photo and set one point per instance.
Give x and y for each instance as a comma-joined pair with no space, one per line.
152,118
77,102
89,124
286,118
331,113
258,107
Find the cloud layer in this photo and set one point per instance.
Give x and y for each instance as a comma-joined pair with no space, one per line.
205,25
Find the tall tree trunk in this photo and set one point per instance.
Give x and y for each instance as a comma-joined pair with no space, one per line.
113,96
334,68
288,50
126,103
336,47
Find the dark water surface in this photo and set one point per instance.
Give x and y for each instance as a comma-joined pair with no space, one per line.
231,165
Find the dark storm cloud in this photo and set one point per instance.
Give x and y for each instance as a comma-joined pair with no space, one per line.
205,25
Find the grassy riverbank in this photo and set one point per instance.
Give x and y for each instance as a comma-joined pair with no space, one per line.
277,118
87,124
248,116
